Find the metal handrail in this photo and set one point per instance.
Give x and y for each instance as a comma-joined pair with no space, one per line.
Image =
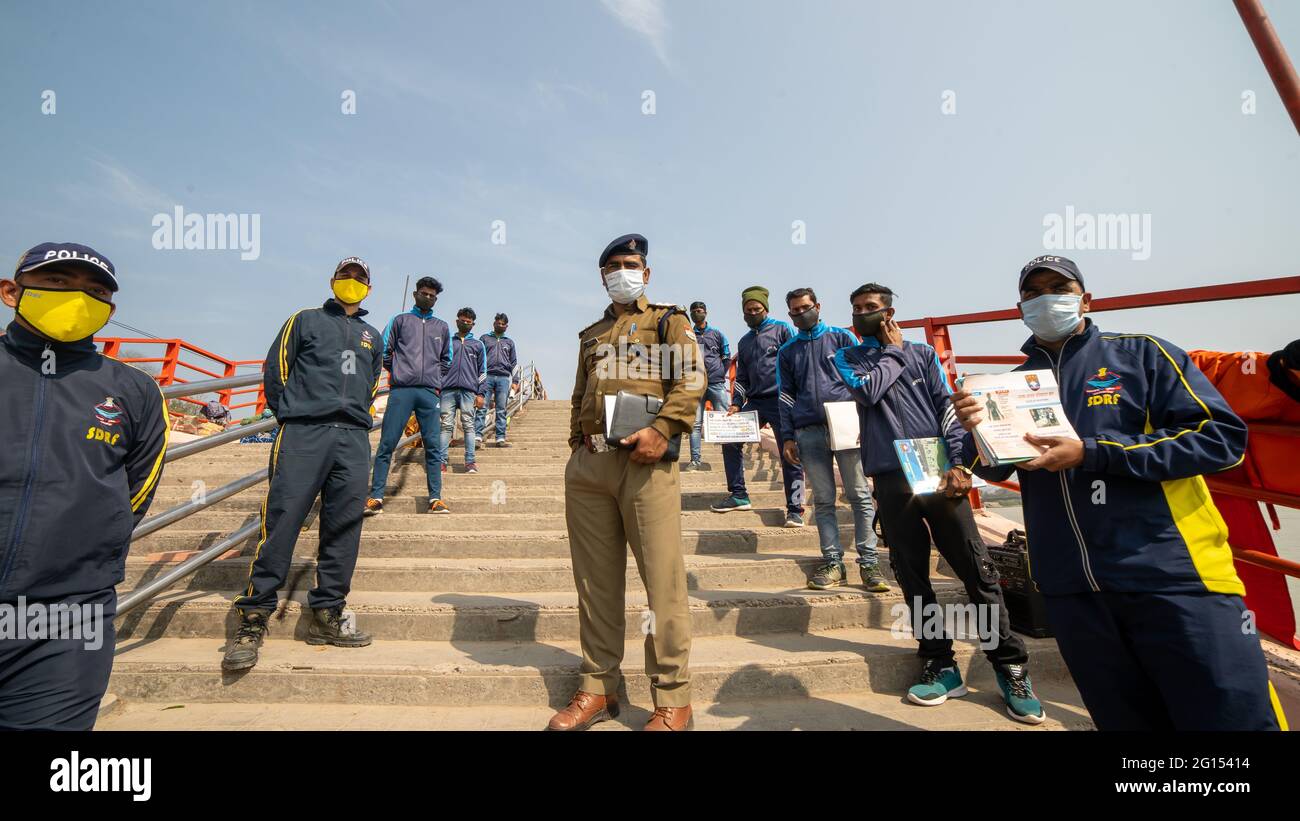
145,593
209,385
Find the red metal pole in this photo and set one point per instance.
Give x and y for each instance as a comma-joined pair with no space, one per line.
1272,52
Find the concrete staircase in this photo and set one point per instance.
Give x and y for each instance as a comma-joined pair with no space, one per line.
475,615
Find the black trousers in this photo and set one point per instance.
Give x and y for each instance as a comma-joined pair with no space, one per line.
57,683
904,517
1164,661
333,462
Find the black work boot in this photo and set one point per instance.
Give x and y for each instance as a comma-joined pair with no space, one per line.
328,627
241,653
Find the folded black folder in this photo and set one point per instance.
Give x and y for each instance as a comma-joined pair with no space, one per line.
632,412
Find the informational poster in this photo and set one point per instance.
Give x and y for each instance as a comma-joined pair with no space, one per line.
724,429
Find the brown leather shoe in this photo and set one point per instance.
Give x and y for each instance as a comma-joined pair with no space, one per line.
674,719
583,711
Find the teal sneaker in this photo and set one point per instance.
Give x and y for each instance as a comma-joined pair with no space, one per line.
1018,693
731,503
938,684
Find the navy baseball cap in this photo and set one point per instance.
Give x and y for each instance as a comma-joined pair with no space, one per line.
626,244
68,255
1061,265
357,261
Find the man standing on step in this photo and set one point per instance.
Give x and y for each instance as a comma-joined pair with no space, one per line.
417,353
628,494
717,356
755,390
805,381
85,437
501,362
1125,543
463,388
903,393
320,376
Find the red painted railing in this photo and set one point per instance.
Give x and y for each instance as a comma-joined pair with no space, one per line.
174,369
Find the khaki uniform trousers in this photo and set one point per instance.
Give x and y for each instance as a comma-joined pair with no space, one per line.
612,502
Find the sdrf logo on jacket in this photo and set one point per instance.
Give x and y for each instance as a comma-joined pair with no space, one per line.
1103,388
367,341
108,414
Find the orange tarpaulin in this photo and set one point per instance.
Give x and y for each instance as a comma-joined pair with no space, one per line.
1272,463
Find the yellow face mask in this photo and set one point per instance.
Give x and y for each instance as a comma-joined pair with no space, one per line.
65,315
350,291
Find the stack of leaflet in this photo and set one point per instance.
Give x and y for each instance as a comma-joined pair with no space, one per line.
1015,404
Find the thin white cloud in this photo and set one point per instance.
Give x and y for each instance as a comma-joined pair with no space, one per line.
646,18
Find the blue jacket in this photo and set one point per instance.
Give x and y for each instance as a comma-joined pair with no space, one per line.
417,350
302,377
902,394
716,352
501,357
756,360
806,376
1136,516
468,366
83,456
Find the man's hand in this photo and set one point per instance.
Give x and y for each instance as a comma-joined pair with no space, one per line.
791,452
734,409
954,483
478,402
967,408
890,334
1062,453
650,446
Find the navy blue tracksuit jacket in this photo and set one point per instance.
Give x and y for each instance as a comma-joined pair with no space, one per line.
806,377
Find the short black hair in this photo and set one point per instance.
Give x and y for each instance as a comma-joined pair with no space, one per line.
886,295
429,282
469,312
503,318
798,292
698,304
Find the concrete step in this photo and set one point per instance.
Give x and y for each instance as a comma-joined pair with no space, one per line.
510,673
218,519
552,476
737,572
982,709
411,498
547,616
498,545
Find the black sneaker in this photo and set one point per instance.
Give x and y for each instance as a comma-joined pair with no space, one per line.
731,503
329,627
241,653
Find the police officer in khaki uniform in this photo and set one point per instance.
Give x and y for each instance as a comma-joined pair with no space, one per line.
629,495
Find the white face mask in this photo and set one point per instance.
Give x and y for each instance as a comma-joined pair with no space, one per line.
625,285
1052,317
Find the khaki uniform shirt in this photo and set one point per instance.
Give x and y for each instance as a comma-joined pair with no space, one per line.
623,353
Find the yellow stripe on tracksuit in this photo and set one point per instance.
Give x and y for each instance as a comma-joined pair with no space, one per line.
1197,519
156,470
284,348
270,477
1277,708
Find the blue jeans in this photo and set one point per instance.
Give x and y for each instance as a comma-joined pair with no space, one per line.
453,400
498,396
717,394
402,402
815,453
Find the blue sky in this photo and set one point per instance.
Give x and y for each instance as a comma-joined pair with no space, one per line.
765,113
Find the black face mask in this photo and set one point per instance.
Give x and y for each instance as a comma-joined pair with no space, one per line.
698,318
754,320
464,327
425,304
807,320
869,324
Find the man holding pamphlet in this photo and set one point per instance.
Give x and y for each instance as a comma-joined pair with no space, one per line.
902,394
807,385
1125,543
